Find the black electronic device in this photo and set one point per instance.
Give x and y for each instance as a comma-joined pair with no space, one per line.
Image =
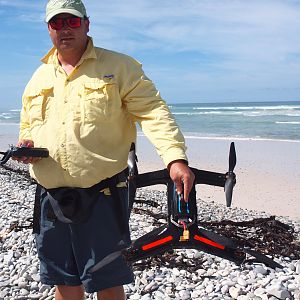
14,151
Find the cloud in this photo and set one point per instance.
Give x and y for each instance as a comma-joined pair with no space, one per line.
202,47
241,29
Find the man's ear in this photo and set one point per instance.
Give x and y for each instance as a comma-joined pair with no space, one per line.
87,24
48,26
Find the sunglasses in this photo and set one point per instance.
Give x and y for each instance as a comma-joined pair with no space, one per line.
59,23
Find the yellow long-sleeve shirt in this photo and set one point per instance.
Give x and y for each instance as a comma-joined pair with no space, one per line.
87,119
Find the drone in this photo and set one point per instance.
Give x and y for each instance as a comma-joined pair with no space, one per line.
182,230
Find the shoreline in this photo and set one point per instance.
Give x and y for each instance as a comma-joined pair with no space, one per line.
268,171
268,176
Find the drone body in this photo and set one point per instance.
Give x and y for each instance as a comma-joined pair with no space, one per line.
182,230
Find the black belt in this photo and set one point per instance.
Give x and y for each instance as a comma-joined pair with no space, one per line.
68,205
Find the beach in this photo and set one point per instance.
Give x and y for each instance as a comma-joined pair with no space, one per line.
267,171
8,135
267,184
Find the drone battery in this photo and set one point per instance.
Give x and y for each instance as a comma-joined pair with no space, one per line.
182,209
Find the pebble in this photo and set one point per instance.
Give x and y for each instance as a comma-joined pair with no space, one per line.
234,292
260,270
215,279
279,292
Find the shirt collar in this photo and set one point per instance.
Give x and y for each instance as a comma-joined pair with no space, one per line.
89,53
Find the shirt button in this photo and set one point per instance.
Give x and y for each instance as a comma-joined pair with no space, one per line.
62,145
65,101
63,123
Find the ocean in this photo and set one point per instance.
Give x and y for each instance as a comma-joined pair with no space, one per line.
236,120
240,120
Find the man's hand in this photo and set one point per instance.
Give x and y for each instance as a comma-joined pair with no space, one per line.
180,173
26,160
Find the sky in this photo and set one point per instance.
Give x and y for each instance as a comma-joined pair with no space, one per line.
193,50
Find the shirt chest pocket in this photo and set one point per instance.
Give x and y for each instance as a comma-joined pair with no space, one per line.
39,103
99,101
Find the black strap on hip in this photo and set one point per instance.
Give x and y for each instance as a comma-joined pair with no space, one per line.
61,210
37,210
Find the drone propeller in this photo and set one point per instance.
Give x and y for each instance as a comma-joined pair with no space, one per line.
132,159
230,181
232,157
132,172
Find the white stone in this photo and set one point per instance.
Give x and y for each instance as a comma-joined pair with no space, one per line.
241,281
195,294
228,282
8,257
243,297
234,292
201,272
259,291
224,289
135,296
34,296
298,268
159,294
150,286
279,293
44,287
176,272
22,283
185,295
179,288
24,292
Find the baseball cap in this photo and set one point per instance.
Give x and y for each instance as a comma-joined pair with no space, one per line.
73,7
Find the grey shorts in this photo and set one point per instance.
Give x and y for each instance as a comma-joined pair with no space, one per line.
68,253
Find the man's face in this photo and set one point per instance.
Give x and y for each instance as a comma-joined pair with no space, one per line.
69,39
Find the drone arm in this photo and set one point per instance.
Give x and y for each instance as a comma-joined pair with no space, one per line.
210,178
152,178
162,177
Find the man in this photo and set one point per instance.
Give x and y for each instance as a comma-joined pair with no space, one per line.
82,104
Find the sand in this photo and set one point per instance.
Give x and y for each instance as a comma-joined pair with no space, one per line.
8,135
268,172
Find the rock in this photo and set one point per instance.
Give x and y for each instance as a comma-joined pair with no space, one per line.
234,292
36,277
19,266
241,281
176,272
8,257
260,270
135,296
185,295
34,296
298,268
24,292
279,292
209,289
150,286
259,291
224,289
